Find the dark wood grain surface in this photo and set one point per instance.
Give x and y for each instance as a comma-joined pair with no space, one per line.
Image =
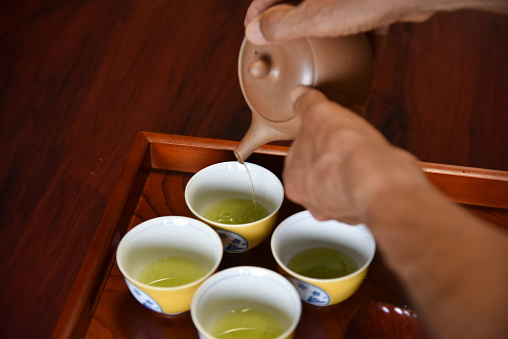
79,79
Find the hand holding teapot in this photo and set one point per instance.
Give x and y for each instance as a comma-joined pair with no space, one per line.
340,67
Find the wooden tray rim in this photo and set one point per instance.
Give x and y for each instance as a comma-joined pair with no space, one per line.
85,293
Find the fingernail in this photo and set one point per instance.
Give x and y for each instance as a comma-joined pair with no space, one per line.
253,32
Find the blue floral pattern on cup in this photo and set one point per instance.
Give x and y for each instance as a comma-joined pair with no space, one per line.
311,293
143,298
232,242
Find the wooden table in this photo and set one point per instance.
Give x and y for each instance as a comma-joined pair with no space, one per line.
79,80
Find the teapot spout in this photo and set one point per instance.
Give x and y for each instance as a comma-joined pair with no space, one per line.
259,134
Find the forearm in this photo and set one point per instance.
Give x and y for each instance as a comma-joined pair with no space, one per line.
453,265
496,6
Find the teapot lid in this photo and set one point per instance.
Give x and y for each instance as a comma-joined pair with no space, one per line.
269,73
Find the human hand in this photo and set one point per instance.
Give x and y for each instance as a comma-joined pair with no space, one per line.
323,18
339,165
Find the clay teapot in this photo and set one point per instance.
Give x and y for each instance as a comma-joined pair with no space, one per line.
340,67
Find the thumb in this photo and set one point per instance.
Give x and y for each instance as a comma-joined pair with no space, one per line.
306,99
277,24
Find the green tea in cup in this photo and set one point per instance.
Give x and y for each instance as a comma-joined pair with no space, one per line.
325,260
247,323
236,211
322,263
165,259
243,212
246,302
171,271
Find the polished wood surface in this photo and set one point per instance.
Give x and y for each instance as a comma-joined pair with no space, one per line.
79,80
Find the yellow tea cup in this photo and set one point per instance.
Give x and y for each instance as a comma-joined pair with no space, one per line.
301,233
246,300
232,180
189,243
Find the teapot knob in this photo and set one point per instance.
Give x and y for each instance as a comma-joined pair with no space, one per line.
259,69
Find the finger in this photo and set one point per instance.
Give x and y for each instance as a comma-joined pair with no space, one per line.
294,172
285,22
419,17
346,218
257,7
351,220
262,29
299,91
304,98
318,216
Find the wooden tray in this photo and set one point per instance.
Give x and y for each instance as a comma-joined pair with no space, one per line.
152,184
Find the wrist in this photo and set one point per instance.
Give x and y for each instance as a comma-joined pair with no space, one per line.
396,194
404,215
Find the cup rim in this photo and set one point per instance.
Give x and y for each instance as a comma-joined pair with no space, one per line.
262,270
150,222
360,269
226,226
